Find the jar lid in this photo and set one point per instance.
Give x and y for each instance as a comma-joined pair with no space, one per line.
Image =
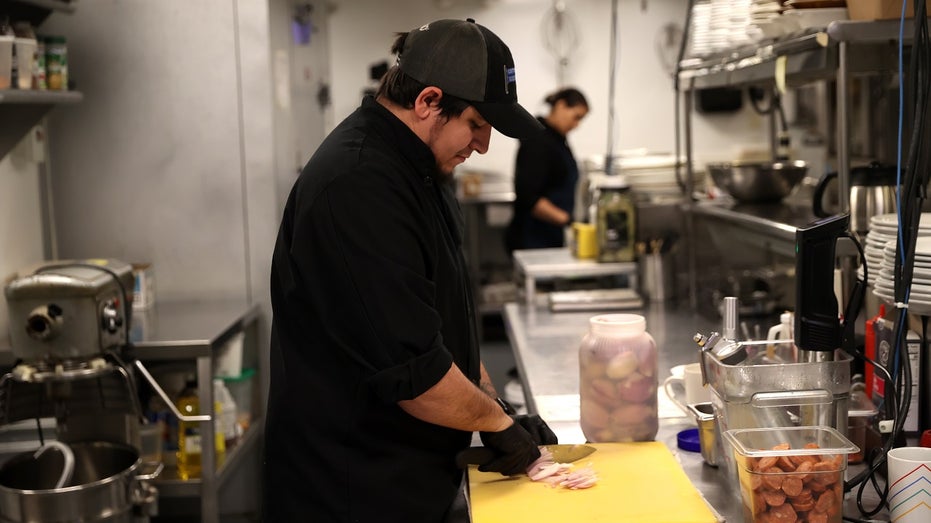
613,181
688,440
618,323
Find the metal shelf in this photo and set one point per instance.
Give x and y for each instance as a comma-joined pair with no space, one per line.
171,486
807,56
51,5
837,52
20,110
34,11
183,330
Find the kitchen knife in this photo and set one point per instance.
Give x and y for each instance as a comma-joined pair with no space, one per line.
561,454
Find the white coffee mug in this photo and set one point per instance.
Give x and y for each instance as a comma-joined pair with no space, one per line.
910,484
685,388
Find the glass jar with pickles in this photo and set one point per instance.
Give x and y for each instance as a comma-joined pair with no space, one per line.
616,220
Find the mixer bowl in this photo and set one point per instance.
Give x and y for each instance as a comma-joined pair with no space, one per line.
758,182
106,486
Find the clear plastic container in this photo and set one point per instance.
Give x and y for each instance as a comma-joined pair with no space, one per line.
791,473
748,396
617,379
227,416
6,61
242,389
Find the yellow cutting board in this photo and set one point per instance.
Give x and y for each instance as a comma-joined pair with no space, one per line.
637,482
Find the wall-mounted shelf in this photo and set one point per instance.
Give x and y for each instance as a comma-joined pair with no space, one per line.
21,110
808,56
34,11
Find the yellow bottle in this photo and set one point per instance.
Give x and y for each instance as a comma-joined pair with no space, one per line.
189,438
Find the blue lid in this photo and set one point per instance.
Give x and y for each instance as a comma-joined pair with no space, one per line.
688,440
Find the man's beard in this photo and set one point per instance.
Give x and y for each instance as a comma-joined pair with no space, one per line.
433,137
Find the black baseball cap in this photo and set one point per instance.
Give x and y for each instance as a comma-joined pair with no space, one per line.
468,61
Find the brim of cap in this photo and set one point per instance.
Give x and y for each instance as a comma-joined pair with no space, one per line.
509,119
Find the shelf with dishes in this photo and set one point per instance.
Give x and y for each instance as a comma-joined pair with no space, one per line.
807,54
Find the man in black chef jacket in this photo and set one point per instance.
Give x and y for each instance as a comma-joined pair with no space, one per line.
376,379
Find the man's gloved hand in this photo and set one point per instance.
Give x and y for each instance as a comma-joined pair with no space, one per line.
514,447
531,422
538,429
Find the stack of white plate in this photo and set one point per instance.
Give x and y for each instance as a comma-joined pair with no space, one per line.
655,174
700,30
764,20
881,247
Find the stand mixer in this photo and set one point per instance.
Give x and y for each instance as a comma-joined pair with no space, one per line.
69,325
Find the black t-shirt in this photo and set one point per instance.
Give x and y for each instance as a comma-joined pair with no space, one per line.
371,304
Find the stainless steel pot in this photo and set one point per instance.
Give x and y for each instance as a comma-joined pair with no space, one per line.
106,486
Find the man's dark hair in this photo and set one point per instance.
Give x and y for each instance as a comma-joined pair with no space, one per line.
403,90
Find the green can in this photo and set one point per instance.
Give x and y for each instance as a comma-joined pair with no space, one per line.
56,63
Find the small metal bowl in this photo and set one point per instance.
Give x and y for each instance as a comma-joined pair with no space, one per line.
758,182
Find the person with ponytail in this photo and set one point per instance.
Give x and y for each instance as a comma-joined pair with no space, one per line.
546,175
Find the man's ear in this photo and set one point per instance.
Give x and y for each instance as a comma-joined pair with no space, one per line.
428,101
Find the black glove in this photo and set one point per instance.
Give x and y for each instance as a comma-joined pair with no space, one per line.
538,429
514,449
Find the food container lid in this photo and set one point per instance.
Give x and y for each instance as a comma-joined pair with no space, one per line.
759,443
244,376
861,409
613,181
688,439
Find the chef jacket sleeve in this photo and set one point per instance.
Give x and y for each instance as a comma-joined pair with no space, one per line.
368,247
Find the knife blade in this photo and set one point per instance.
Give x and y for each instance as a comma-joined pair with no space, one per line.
561,454
569,453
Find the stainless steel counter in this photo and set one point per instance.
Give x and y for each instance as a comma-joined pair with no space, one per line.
545,346
532,265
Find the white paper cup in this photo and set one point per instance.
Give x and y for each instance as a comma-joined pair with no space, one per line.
25,61
910,484
686,388
6,61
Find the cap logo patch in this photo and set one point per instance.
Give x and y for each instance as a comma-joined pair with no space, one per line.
509,77
425,27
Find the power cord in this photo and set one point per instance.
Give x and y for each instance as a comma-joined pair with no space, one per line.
910,198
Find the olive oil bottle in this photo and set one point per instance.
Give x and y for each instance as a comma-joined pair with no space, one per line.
190,444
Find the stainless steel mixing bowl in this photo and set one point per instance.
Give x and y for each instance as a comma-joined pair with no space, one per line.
758,182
